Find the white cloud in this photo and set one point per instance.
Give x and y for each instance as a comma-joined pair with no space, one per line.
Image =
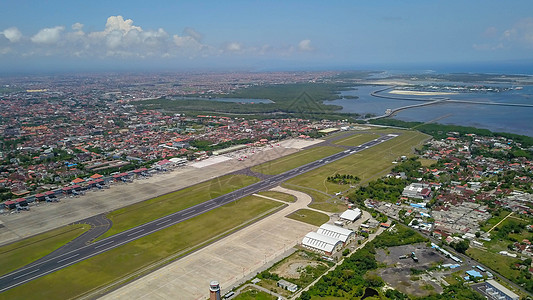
118,23
48,35
305,45
12,34
122,38
77,26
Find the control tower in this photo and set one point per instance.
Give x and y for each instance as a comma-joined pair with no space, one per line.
214,290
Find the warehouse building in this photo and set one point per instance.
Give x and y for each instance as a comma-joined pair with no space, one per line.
321,243
351,214
498,291
343,234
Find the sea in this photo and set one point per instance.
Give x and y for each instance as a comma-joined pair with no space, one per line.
517,120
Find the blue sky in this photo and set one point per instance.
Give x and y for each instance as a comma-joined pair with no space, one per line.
262,35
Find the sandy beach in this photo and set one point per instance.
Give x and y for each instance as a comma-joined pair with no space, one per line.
419,93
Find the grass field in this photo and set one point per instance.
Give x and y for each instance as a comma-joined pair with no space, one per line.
279,196
309,216
294,160
426,162
146,211
356,139
493,221
367,165
497,262
321,200
254,294
21,253
490,256
175,241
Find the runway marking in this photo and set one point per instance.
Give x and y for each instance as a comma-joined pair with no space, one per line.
162,222
188,213
59,261
135,232
110,242
25,274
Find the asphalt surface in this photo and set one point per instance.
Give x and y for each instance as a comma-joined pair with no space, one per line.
47,266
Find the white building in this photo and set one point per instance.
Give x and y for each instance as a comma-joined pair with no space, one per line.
498,291
321,243
291,287
343,234
351,214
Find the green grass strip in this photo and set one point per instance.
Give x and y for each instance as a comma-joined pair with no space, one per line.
309,216
146,211
278,196
356,139
21,253
295,160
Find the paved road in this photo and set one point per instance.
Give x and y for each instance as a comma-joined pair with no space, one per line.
53,264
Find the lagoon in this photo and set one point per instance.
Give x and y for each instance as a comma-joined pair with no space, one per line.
517,120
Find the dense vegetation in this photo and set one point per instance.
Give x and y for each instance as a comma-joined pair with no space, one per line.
388,189
303,100
440,131
343,179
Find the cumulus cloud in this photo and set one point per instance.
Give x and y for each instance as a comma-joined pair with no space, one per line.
77,26
305,45
48,35
12,34
121,38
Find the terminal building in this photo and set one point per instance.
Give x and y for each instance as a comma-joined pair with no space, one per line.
497,291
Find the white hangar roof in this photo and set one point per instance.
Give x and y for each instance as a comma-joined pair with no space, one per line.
351,214
320,242
335,232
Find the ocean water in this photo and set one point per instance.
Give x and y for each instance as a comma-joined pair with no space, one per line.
517,120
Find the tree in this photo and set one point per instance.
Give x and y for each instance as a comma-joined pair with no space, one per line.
305,296
461,246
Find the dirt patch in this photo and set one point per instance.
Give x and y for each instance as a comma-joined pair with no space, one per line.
407,275
402,280
293,266
293,269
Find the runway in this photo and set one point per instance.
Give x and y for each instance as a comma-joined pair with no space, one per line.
53,264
